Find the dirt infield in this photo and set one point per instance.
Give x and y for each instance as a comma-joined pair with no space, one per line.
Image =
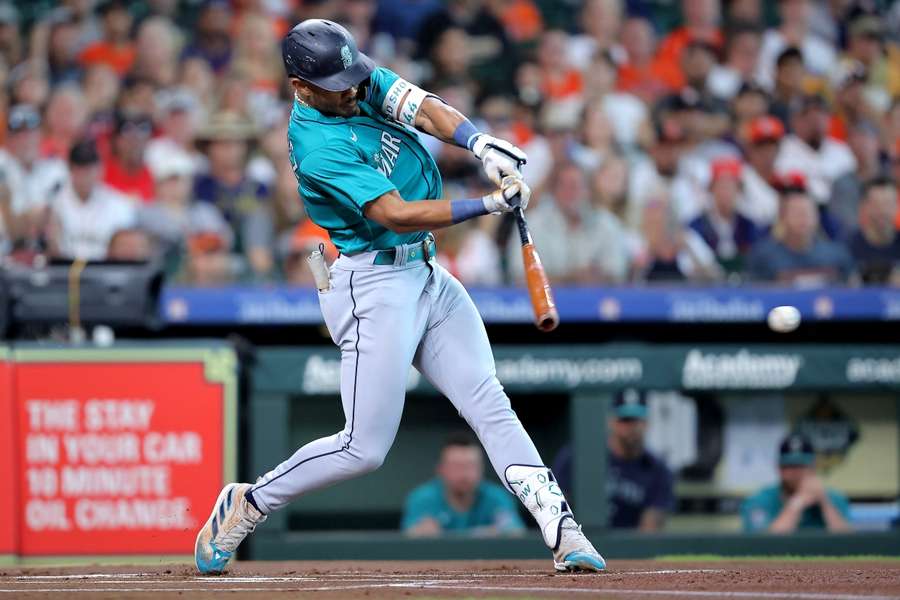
827,580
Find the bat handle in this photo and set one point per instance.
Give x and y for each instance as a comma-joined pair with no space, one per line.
519,213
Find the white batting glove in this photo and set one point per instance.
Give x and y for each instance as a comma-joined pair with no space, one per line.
499,157
513,192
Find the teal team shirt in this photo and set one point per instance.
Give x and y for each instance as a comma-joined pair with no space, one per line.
493,507
759,510
343,163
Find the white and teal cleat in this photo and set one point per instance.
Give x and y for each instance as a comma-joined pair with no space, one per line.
232,519
575,552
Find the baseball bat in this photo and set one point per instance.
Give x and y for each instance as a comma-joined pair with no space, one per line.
546,317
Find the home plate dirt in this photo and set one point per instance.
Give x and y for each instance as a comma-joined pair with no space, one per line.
632,580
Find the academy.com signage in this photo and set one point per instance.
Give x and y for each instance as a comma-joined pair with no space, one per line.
321,374
571,373
742,369
610,367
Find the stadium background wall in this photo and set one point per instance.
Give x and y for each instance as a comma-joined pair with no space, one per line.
561,392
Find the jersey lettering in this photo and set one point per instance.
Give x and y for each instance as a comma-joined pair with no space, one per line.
386,158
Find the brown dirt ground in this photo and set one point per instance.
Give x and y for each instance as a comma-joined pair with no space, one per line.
624,579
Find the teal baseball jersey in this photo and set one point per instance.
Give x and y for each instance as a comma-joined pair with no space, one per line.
341,164
493,507
759,510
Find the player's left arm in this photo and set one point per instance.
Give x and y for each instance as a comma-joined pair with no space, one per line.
409,104
499,157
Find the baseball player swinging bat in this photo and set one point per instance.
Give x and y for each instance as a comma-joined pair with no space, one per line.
365,176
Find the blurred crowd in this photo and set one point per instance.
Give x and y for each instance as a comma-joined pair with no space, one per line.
701,141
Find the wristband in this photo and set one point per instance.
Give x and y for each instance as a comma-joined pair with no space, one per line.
465,134
463,210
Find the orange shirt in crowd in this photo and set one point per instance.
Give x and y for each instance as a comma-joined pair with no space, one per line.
562,85
118,58
522,133
647,82
308,233
522,20
668,55
838,128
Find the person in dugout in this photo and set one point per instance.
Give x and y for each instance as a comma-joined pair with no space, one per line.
638,484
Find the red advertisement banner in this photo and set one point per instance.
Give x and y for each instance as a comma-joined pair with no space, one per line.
8,498
116,458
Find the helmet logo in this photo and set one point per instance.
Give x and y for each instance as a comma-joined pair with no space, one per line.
346,57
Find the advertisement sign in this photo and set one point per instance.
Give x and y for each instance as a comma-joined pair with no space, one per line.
8,525
708,367
120,452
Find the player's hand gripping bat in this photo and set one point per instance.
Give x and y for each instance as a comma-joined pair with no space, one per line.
546,317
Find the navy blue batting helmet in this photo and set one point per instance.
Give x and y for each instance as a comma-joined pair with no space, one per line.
324,53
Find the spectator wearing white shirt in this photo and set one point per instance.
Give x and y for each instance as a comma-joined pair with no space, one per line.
810,151
578,243
600,22
31,181
742,43
818,55
86,213
627,114
180,116
667,169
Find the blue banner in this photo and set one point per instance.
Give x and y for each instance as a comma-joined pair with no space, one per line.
281,305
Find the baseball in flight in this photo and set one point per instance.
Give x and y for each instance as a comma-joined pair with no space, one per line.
784,319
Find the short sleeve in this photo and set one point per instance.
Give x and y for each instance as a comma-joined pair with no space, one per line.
417,507
122,212
755,515
381,81
340,175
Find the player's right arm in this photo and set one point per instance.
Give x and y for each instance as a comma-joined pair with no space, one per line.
340,177
390,210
